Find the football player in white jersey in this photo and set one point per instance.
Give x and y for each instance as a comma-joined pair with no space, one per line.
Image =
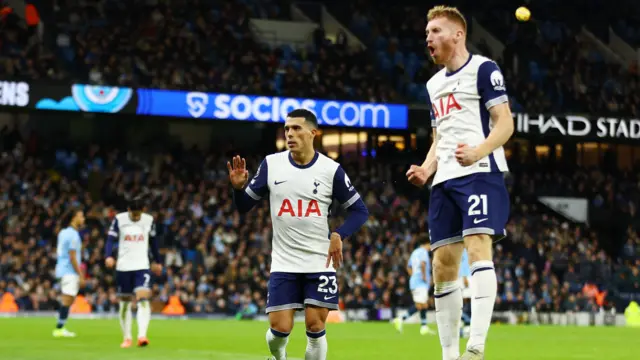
301,184
469,203
134,233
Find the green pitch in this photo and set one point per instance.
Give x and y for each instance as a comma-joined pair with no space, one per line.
30,338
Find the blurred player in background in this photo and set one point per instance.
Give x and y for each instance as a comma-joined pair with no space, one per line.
69,251
419,269
301,185
469,203
465,285
134,233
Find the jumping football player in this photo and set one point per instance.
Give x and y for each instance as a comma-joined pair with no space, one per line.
469,203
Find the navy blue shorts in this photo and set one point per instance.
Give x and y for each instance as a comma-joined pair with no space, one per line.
294,291
131,281
474,204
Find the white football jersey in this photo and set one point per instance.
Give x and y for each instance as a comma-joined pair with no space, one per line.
300,197
133,241
460,103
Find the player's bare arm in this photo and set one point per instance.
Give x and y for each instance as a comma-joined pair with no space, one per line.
335,251
76,266
419,175
499,135
423,268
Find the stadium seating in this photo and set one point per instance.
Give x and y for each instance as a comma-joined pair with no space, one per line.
209,45
554,70
208,48
217,262
21,52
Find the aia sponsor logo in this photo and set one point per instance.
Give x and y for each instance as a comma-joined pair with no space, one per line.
134,237
444,106
299,208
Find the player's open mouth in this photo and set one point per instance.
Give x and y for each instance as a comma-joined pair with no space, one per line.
432,50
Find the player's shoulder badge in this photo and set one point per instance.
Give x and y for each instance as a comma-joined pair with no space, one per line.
347,182
497,81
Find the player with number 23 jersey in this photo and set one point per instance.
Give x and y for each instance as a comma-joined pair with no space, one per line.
301,185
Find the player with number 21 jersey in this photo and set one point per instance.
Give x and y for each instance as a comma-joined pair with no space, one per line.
469,203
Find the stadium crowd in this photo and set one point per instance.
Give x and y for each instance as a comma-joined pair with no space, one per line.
216,261
209,46
150,44
548,65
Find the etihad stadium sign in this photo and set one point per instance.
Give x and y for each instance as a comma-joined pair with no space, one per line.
577,126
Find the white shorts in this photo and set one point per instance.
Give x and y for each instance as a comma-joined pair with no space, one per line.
70,285
420,295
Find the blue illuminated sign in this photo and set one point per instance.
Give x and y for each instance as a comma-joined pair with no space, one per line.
90,98
185,104
269,109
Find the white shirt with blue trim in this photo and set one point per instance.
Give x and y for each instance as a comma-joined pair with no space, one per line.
133,240
460,103
300,198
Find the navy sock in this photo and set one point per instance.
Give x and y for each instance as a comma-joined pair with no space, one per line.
423,317
412,310
466,319
63,314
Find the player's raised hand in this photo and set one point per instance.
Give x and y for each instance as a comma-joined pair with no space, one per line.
110,262
466,155
417,175
335,251
238,174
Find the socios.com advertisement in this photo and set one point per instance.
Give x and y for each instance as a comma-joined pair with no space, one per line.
272,109
185,104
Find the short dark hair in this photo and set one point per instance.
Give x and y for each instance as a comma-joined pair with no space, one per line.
423,238
136,204
71,214
308,116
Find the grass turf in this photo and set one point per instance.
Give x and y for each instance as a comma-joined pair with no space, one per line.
30,338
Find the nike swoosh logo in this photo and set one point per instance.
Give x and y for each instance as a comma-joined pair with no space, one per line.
478,221
279,182
329,298
482,297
